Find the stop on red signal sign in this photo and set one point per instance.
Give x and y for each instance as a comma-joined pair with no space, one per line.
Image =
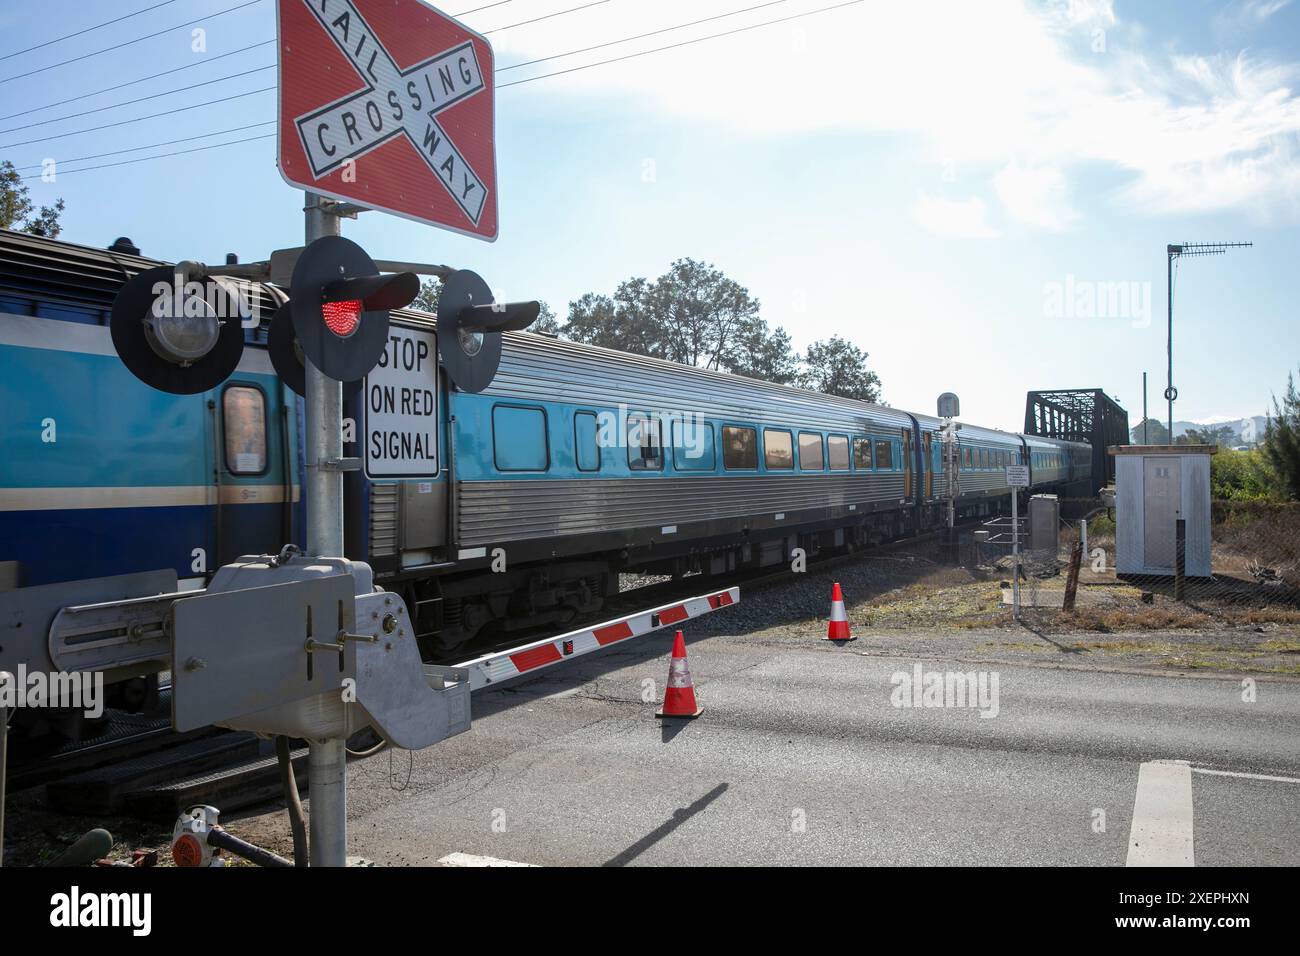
389,104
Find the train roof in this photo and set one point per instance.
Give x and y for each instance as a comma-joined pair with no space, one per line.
533,366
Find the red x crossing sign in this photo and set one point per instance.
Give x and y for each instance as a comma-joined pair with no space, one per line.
389,104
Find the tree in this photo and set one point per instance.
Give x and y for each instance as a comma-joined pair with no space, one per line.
621,322
427,300
546,323
1156,433
836,366
1220,435
704,316
765,354
17,210
692,314
1282,440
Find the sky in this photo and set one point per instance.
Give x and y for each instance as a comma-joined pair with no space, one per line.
977,194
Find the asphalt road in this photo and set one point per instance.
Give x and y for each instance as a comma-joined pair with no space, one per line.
803,757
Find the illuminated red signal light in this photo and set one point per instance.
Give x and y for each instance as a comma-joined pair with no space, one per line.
342,318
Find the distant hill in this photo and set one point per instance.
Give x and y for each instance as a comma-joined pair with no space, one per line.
1245,431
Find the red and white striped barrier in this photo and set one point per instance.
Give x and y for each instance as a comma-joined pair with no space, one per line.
503,665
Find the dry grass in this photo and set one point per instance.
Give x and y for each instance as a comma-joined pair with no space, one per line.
1142,618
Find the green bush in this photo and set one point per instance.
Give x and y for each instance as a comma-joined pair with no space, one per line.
1101,524
1241,476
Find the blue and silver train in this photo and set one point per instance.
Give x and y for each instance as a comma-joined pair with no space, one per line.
490,512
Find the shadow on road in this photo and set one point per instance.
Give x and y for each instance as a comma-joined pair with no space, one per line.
658,833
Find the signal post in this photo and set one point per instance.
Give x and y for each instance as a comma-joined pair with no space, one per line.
327,760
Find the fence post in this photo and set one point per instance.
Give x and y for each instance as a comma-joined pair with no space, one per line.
1180,559
1072,578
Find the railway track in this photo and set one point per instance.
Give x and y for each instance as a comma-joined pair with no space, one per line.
139,766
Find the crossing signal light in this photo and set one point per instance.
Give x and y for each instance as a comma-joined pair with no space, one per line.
339,305
342,318
287,357
470,324
178,336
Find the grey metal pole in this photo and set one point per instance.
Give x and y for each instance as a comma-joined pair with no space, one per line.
1144,409
326,760
1169,348
1015,555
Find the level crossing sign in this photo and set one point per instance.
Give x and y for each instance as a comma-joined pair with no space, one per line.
389,104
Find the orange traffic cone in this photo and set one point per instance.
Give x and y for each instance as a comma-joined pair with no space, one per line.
838,628
679,696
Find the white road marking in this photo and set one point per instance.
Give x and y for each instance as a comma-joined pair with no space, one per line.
471,859
1161,834
1247,776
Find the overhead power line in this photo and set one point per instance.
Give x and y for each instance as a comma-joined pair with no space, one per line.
152,76
69,36
530,79
139,99
549,16
126,43
641,36
260,69
138,119
142,159
674,46
188,66
499,3
136,149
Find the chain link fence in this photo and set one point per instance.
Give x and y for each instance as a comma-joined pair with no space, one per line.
1254,575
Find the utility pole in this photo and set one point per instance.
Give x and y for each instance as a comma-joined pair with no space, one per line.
1173,252
1144,408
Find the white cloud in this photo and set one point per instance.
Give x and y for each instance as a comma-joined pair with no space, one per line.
1012,91
1240,18
1035,196
953,219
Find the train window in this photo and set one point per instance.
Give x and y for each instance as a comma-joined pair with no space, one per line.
692,445
243,415
778,449
811,457
862,454
739,447
519,438
645,450
586,450
884,455
837,451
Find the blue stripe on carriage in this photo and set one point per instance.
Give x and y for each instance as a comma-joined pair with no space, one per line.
110,428
89,543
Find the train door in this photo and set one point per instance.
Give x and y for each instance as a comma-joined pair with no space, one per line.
251,469
907,462
928,459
